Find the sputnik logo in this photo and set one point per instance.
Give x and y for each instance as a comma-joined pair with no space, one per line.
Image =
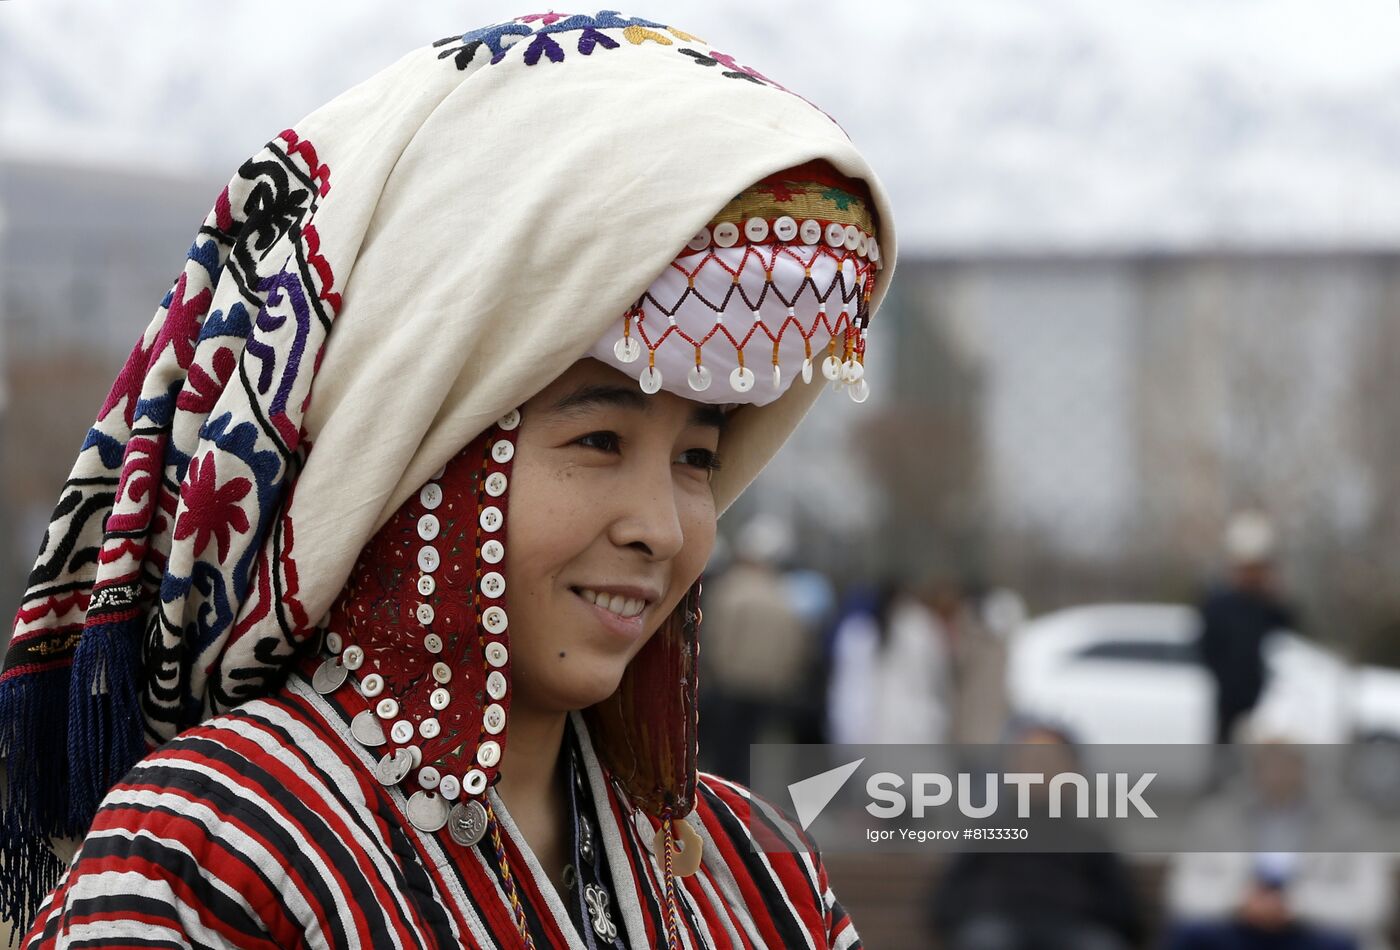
811,795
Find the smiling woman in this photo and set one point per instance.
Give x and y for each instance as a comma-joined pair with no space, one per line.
613,521
321,652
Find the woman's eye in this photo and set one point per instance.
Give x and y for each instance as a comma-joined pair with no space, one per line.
702,459
605,441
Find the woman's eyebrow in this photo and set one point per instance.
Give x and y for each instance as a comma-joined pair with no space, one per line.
596,395
707,415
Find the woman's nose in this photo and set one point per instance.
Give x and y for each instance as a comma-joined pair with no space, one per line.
649,516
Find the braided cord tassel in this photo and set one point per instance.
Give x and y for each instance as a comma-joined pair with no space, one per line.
673,937
511,892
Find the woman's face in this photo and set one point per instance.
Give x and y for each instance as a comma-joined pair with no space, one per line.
611,519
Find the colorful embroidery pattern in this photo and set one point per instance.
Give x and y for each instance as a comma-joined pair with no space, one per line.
171,541
803,193
546,37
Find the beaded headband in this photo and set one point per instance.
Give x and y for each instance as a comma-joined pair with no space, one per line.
803,239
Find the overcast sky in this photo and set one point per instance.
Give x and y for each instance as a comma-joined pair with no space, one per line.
1038,124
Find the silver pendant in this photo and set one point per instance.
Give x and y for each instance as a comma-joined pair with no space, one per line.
467,822
329,676
597,900
366,729
427,811
394,767
585,841
644,829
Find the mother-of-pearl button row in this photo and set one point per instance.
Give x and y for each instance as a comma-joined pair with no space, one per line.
850,372
492,584
787,230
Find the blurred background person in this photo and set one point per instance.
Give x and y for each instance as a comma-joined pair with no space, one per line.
1279,896
1054,900
912,680
890,675
980,630
1237,616
756,651
813,597
857,645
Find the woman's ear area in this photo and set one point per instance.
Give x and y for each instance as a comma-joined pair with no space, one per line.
753,435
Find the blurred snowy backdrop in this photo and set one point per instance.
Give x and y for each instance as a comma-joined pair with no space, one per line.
996,123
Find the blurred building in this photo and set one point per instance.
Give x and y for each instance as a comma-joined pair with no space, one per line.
1119,405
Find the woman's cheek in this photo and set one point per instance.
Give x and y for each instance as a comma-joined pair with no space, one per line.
700,544
700,520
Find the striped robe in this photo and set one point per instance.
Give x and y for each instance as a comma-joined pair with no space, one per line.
266,828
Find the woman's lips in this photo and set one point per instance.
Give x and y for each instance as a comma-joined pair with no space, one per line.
628,627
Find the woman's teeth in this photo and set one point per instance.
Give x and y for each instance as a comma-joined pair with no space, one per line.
622,606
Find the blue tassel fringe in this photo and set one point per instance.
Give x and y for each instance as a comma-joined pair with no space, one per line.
33,747
105,730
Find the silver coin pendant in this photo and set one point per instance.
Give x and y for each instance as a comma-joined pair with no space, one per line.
467,823
329,676
428,811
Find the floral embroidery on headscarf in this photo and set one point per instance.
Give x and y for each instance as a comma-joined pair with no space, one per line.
502,37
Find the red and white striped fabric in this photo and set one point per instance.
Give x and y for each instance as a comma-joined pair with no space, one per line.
265,827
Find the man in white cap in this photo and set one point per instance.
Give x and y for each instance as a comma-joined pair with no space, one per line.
1237,617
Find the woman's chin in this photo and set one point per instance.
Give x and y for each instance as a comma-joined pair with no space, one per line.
579,688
